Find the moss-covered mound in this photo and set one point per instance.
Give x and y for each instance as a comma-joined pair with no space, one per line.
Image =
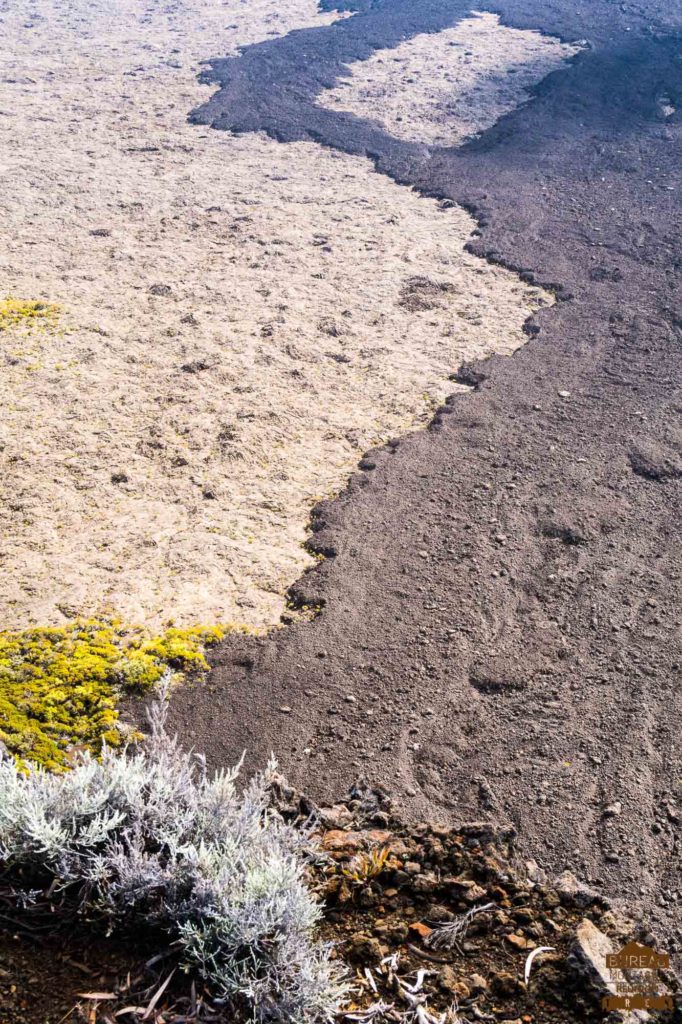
59,686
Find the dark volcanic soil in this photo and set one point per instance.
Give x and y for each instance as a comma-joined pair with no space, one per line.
500,625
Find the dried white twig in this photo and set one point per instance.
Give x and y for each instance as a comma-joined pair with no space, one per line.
421,974
450,934
375,1010
392,961
370,979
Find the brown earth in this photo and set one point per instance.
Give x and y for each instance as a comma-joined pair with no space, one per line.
499,617
43,981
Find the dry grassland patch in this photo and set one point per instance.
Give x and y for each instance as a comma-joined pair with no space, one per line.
237,321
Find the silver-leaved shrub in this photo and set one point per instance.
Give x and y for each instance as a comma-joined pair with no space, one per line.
148,835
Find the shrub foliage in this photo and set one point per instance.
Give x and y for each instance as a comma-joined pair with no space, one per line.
146,834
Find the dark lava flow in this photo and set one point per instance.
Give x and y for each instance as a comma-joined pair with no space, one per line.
501,616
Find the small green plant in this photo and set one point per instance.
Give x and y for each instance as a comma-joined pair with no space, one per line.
366,866
59,687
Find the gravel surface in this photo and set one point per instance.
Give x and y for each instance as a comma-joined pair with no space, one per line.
500,605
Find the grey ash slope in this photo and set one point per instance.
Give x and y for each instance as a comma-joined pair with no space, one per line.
504,596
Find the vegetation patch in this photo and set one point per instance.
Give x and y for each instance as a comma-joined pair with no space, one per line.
28,313
215,873
59,686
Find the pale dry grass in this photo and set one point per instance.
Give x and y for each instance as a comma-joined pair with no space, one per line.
236,325
443,88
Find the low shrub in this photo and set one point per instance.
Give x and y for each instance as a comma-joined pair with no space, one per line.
145,834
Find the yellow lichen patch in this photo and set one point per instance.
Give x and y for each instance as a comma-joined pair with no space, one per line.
27,313
59,686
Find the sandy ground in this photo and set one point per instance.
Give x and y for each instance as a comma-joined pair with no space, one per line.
240,320
443,88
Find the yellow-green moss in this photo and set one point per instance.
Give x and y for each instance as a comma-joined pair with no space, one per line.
59,686
28,313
